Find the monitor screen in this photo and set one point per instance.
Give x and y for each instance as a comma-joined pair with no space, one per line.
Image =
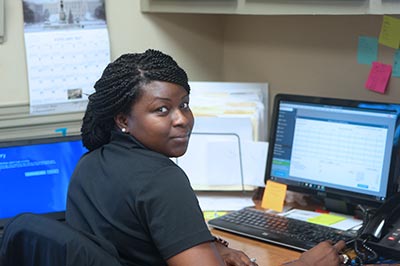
35,173
345,150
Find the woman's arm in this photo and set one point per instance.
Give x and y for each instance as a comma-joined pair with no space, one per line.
211,254
200,255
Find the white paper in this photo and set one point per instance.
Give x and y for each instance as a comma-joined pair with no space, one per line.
216,161
232,99
240,126
213,160
254,159
303,215
226,150
224,201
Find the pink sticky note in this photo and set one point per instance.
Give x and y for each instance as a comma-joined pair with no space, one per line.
378,78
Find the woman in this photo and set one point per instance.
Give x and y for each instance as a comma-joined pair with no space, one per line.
126,189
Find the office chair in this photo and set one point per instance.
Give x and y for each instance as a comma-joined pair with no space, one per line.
34,240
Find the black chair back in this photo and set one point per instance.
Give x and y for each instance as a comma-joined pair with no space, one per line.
34,240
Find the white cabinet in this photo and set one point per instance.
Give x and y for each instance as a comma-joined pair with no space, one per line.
273,7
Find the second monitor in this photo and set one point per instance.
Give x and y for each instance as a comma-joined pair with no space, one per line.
35,173
343,151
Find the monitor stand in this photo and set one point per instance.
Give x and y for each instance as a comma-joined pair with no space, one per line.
339,206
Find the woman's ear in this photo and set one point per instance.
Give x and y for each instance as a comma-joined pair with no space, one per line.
121,121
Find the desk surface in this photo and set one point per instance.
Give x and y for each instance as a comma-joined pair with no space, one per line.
266,254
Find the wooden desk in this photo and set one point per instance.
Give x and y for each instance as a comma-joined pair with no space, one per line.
266,254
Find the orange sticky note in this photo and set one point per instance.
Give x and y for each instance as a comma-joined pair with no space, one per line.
274,196
379,76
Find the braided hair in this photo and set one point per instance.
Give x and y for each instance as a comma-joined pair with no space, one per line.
119,87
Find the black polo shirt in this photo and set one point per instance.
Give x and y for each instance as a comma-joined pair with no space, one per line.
138,199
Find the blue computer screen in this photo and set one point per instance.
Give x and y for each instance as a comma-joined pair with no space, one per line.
34,174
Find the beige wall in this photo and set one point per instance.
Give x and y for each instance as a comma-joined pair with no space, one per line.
296,54
314,55
194,41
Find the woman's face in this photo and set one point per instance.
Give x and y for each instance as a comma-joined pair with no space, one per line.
161,118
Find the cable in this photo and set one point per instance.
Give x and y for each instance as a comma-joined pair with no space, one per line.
367,254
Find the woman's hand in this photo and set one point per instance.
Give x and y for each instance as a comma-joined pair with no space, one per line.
322,254
233,257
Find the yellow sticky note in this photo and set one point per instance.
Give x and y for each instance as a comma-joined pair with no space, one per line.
390,32
208,215
274,196
326,219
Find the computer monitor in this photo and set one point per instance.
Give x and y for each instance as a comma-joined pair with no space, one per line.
345,152
35,173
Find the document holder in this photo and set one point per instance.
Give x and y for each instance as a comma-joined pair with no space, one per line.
213,162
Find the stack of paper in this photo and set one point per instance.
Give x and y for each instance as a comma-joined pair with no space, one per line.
226,150
232,99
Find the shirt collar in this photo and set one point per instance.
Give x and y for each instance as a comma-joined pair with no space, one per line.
126,140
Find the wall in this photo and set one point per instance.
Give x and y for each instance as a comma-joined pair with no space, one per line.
314,55
194,41
295,54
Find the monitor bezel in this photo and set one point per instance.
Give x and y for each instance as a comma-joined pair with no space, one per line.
56,215
38,140
346,197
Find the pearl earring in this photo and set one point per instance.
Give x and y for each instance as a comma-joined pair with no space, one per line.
123,130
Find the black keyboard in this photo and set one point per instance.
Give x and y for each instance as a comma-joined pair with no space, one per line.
276,229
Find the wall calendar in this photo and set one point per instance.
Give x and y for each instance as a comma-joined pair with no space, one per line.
67,48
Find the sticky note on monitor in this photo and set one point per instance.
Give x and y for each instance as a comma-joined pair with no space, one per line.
274,196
